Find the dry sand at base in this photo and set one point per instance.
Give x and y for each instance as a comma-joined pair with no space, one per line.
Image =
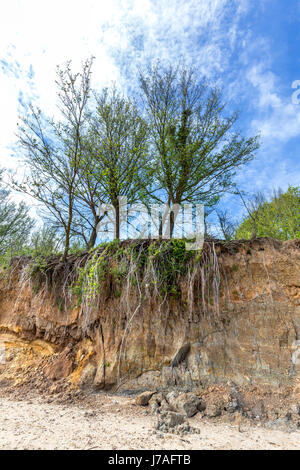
116,423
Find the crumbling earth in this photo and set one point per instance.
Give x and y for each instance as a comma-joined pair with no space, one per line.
228,404
39,413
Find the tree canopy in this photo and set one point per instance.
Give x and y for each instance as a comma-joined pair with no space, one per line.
279,218
173,142
15,222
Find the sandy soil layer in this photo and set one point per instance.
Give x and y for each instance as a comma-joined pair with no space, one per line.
109,422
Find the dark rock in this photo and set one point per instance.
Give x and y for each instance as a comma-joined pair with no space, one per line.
236,401
187,403
181,355
258,411
143,398
169,420
159,403
232,406
175,423
213,410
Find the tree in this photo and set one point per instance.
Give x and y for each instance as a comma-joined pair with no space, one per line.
88,197
117,146
253,206
15,222
54,151
196,150
44,241
279,218
86,159
227,225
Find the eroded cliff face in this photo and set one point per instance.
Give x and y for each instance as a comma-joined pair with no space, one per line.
133,341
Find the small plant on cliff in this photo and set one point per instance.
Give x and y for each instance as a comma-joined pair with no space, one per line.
90,277
157,264
170,260
142,270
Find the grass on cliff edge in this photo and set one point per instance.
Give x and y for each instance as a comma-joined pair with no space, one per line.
151,267
86,272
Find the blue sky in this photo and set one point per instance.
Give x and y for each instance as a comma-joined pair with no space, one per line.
250,47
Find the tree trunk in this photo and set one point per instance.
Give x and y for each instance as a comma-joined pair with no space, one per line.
117,221
93,237
172,223
67,244
68,226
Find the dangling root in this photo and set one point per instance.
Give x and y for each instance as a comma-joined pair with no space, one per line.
149,271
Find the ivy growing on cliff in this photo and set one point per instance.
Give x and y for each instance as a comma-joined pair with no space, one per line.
161,261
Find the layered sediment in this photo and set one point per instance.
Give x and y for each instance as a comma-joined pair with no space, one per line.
240,324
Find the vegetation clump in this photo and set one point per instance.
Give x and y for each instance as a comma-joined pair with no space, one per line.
278,218
156,265
129,272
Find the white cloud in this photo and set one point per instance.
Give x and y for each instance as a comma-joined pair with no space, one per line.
277,117
35,36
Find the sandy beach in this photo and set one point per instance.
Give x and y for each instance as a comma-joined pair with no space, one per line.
117,423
